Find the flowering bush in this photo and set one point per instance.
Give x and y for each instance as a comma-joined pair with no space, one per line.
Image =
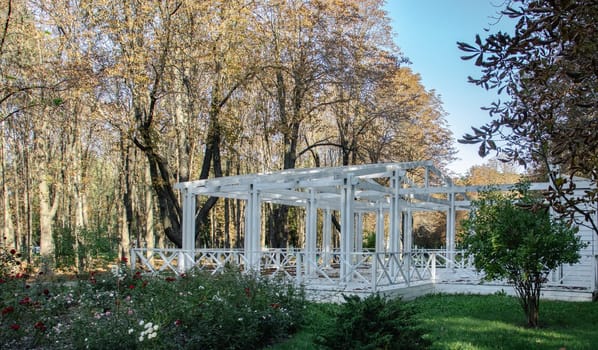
127,309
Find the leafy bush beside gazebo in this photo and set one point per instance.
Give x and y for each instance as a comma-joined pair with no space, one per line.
512,236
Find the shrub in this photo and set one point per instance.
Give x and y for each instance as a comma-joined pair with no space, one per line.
512,236
127,309
374,322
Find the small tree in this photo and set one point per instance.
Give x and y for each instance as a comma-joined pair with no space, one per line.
512,236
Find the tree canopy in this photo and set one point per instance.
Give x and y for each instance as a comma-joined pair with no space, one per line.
548,68
105,104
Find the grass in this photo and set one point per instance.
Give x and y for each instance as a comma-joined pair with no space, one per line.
469,322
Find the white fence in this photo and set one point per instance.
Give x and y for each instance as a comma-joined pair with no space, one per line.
337,271
324,270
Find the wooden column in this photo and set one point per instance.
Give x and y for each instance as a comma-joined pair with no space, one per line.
347,227
311,234
253,229
327,237
187,260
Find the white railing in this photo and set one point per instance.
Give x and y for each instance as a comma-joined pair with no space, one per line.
329,270
369,270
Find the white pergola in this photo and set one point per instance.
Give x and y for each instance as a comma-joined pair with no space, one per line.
390,190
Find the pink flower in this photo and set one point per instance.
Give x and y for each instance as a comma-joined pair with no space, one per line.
39,325
7,310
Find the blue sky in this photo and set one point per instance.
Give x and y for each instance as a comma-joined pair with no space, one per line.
427,32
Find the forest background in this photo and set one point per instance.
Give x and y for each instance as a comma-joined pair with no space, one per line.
105,105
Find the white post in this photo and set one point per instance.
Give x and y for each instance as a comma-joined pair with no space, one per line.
347,226
359,233
395,214
311,234
187,258
407,242
395,222
408,234
327,237
450,230
253,229
380,228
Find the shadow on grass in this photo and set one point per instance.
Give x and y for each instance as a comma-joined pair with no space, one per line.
497,322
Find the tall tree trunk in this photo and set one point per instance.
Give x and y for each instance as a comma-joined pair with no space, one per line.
168,204
8,239
78,196
126,212
150,239
48,205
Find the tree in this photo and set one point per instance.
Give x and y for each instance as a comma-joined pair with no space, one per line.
492,172
512,236
549,69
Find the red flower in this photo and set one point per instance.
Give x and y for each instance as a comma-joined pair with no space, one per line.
124,259
15,327
178,322
13,252
46,292
275,305
248,292
2,281
7,310
144,284
25,301
39,325
131,286
170,279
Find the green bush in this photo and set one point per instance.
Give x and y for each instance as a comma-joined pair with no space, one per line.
374,322
124,309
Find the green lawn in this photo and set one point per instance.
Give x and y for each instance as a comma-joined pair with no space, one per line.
486,322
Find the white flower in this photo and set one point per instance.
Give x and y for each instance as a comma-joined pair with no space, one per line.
141,323
131,330
140,338
156,327
149,325
152,335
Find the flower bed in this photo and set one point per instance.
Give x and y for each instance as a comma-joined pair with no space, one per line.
126,309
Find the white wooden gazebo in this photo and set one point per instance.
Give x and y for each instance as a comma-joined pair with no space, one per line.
390,191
